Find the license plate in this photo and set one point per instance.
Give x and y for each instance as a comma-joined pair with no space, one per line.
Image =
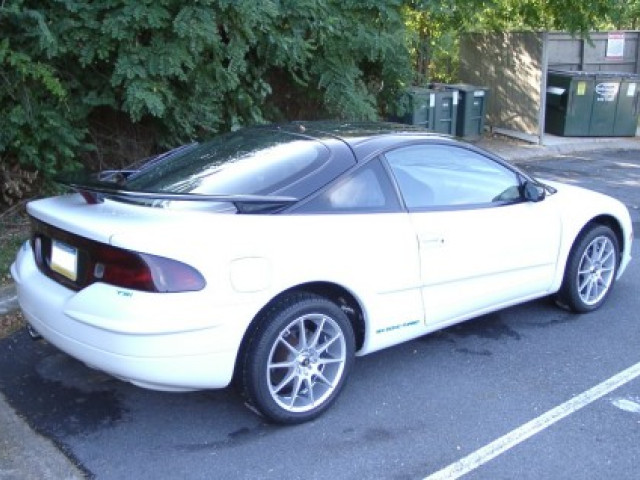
64,259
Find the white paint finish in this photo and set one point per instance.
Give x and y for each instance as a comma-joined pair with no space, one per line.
374,257
629,404
577,206
251,274
486,256
529,429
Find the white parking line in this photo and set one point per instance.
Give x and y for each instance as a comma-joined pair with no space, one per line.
529,429
631,404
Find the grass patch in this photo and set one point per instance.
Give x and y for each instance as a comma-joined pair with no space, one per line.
10,242
14,230
13,233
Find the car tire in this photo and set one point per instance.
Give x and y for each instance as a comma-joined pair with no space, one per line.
591,270
297,359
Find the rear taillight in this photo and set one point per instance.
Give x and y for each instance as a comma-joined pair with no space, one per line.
141,271
173,276
99,262
118,267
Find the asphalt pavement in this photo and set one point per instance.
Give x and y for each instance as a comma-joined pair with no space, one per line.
24,454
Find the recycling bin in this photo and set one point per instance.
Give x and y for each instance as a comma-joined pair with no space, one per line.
432,109
444,111
472,109
414,107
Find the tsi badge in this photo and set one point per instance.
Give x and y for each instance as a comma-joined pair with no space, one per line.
607,91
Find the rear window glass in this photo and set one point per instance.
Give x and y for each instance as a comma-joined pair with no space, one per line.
251,162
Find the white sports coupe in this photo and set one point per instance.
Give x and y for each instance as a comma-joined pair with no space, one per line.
273,255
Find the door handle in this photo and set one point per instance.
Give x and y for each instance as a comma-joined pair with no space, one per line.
431,239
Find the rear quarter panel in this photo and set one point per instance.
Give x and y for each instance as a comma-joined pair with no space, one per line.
250,259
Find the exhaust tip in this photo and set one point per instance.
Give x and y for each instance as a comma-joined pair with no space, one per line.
33,333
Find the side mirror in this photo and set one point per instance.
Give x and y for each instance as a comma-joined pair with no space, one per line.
533,192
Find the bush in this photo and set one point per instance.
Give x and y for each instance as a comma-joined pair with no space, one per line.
104,82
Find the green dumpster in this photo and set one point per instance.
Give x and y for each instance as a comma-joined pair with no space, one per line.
605,103
569,103
445,111
626,121
472,109
432,109
415,107
591,104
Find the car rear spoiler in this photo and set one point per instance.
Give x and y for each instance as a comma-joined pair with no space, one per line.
96,193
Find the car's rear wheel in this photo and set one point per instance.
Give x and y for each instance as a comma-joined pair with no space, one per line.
297,359
591,270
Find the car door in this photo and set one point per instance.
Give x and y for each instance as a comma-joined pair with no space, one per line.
482,245
373,251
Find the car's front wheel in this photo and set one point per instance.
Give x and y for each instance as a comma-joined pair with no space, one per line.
297,359
591,270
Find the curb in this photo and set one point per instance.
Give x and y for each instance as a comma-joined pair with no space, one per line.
8,299
516,151
26,455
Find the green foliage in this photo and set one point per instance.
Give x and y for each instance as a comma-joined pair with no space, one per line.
107,81
562,15
37,129
77,76
11,237
625,14
435,25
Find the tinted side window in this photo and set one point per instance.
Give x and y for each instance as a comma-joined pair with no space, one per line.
444,176
368,189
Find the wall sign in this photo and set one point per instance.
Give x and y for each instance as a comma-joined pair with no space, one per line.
615,45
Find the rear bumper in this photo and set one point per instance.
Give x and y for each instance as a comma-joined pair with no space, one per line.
160,341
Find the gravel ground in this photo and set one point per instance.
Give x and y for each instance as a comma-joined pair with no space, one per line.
10,318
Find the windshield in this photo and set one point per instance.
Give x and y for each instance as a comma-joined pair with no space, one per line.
247,162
